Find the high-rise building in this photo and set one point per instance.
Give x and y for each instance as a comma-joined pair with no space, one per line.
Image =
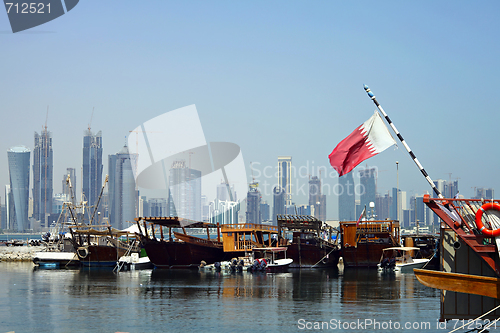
65,186
253,214
122,194
42,176
440,185
223,212
278,203
367,180
383,205
92,167
285,177
144,207
347,198
157,207
265,211
317,199
185,192
19,172
3,213
484,193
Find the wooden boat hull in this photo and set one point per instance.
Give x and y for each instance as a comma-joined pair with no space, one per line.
364,255
175,254
312,256
99,255
462,283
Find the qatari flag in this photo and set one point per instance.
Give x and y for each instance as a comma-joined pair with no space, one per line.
369,139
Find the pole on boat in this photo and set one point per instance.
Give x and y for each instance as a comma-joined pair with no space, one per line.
420,167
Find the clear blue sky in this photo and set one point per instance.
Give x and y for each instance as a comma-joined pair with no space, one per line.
277,78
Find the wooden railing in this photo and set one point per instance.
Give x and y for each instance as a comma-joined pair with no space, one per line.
253,226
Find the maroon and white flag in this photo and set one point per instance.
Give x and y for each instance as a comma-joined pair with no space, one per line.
369,139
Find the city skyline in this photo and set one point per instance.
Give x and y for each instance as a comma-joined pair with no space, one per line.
264,78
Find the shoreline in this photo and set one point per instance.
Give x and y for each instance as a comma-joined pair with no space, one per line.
18,253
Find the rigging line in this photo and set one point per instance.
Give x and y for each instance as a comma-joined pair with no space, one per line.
481,316
489,325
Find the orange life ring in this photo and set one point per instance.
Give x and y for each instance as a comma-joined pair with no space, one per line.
479,222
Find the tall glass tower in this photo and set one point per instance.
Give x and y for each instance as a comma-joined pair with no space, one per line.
19,171
122,194
285,177
42,176
185,191
92,166
368,181
347,198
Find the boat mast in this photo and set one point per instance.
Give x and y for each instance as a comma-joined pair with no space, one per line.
420,167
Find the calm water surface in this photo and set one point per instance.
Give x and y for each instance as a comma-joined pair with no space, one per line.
35,300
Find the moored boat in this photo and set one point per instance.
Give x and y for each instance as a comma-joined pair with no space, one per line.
401,259
363,243
311,244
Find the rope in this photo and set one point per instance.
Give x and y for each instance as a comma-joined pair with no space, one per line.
489,325
323,258
481,316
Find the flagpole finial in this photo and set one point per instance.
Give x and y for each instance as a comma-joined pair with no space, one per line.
368,91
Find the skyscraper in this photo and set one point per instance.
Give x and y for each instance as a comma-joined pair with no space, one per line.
367,180
42,176
264,211
317,199
484,193
157,207
122,193
19,171
347,205
253,214
92,167
279,207
65,186
285,177
185,191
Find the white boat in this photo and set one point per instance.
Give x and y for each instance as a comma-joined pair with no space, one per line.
57,259
133,262
401,259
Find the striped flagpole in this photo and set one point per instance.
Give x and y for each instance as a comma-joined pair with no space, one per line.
420,167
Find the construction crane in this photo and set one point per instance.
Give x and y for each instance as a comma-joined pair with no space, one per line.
253,184
91,116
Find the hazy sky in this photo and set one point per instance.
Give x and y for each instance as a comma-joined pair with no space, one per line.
276,78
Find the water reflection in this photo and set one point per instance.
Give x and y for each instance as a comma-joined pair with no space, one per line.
153,300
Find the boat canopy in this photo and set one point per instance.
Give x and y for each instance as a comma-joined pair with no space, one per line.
94,232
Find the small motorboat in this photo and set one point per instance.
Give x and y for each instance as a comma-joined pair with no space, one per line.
266,259
402,259
260,260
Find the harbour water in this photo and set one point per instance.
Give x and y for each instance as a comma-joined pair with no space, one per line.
83,300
